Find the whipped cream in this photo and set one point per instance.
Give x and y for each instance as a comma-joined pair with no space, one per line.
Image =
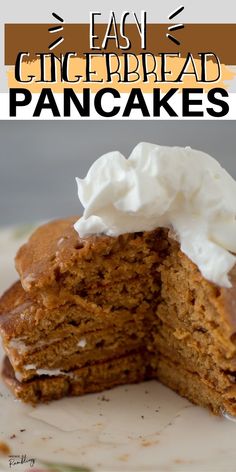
178,188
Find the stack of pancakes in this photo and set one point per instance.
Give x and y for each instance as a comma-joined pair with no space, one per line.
90,314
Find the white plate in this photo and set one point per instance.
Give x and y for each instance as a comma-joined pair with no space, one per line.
143,427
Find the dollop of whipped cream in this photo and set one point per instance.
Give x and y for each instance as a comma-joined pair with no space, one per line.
178,188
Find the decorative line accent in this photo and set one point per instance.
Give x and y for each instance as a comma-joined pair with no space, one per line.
176,27
173,39
56,43
176,12
58,17
55,29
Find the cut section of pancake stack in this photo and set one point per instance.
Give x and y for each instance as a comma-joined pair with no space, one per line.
90,314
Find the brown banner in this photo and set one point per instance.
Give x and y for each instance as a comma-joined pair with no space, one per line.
194,38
